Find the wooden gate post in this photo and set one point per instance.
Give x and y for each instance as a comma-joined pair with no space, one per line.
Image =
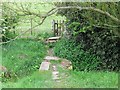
57,28
63,27
53,26
60,27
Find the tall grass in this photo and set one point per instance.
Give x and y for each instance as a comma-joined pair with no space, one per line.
68,79
22,57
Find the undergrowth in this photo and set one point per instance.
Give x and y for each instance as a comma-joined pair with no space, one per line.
81,60
22,57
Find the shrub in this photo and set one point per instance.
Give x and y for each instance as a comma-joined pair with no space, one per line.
80,59
100,47
95,32
8,23
8,35
103,44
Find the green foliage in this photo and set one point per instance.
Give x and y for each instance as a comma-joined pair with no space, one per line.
8,35
22,57
75,28
44,35
90,51
80,59
9,22
92,17
69,79
35,80
94,31
103,44
51,45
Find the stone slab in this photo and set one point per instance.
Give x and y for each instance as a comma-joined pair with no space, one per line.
51,41
51,58
44,66
55,75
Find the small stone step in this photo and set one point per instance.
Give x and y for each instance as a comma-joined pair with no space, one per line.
55,75
67,64
44,66
51,58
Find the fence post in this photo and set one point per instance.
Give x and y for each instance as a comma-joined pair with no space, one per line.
57,28
60,23
31,25
63,26
53,26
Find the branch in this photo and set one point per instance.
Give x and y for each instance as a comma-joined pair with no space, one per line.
53,10
44,17
111,26
93,9
105,26
24,11
28,12
23,32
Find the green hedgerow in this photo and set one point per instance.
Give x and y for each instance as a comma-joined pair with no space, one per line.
80,59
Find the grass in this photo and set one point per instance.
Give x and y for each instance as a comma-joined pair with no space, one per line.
23,56
82,79
36,80
69,79
56,62
93,79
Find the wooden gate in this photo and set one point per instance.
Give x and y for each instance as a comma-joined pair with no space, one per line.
58,27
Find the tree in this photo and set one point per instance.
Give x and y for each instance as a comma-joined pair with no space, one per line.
105,15
95,28
97,14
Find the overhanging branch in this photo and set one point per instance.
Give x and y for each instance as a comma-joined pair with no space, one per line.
24,32
53,11
92,9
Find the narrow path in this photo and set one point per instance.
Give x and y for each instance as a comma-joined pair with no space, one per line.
54,62
50,57
50,52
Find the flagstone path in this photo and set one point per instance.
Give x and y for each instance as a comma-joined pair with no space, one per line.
45,65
